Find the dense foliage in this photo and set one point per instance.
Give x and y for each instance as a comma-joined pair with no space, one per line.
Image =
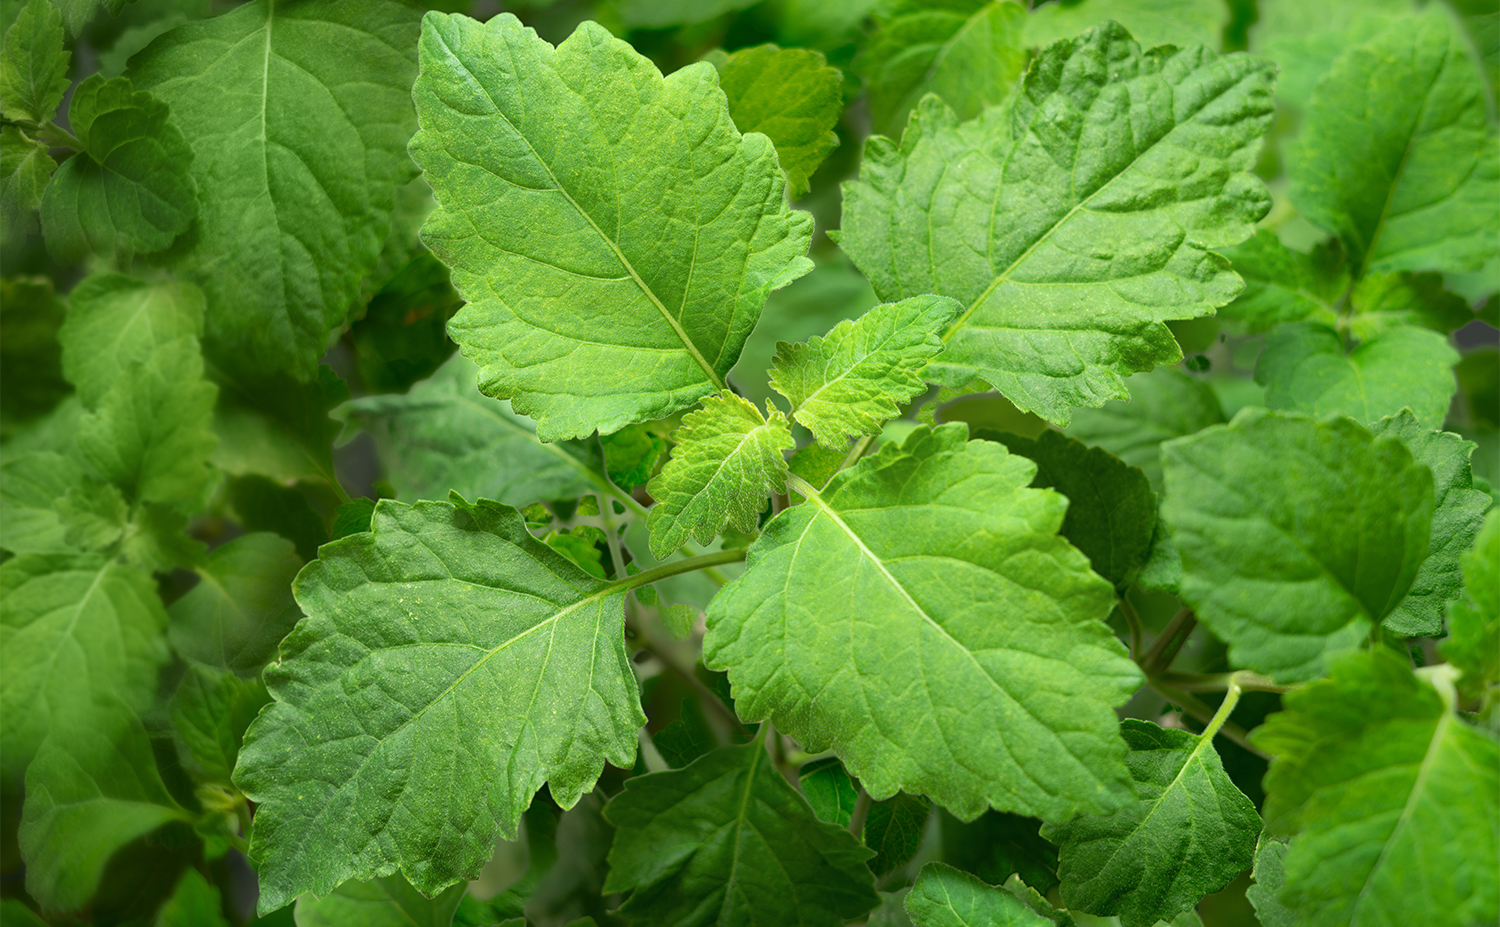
719,462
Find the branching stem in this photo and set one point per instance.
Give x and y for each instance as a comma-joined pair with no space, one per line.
1193,706
1133,621
1168,642
1219,682
679,567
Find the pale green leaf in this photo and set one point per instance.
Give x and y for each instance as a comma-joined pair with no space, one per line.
1424,191
969,52
130,190
93,515
660,14
947,897
387,902
92,789
1304,368
210,711
34,64
1473,644
1163,404
1269,876
445,435
1189,832
450,664
849,382
1296,535
728,842
1306,38
1389,797
1380,302
727,460
1457,513
1283,285
1070,242
74,629
298,114
857,627
1153,22
30,485
194,903
25,168
615,235
114,321
789,95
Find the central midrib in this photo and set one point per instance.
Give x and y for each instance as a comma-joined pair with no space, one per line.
739,826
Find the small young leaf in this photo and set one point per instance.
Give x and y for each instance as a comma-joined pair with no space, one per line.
632,453
829,790
969,712
789,95
387,902
194,903
1270,876
115,320
894,829
93,515
1189,833
728,459
1381,302
1152,22
666,228
1296,534
1282,285
1163,404
34,64
1473,644
1304,368
1388,795
728,841
25,168
446,616
353,517
947,897
210,712
850,382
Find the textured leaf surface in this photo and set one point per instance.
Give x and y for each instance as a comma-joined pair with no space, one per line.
1163,404
242,606
849,382
1283,285
450,665
1391,800
298,115
25,168
1473,644
1422,193
75,629
922,618
115,320
728,460
665,229
1070,242
130,190
1189,833
789,95
1304,368
1381,302
1270,875
946,897
34,65
727,841
1457,513
894,829
387,902
210,711
1296,534
1152,22
30,486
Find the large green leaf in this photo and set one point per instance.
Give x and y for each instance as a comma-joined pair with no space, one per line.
130,190
1304,368
25,168
946,897
387,902
450,664
74,630
614,234
1306,38
30,486
1473,645
1423,189
298,114
1283,285
1152,22
1070,241
34,64
921,617
727,841
1297,535
242,606
1163,404
1189,832
1389,796
114,321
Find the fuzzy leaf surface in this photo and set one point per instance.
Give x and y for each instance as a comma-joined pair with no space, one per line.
115,320
1296,534
1385,301
1283,285
947,897
1069,240
34,64
1473,644
450,664
613,232
922,618
242,606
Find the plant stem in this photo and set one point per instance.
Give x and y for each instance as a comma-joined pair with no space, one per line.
652,756
57,137
1193,706
1163,649
861,811
857,451
1218,682
803,487
1133,620
679,567
1231,698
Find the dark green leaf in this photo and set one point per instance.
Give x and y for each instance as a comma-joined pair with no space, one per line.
1473,645
829,790
31,381
352,518
34,65
195,903
1282,285
996,845
274,426
894,829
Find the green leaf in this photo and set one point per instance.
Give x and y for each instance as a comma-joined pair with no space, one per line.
728,458
1304,368
299,116
92,789
1153,22
969,52
1189,832
1457,513
79,13
894,829
387,902
1283,285
946,897
1090,238
1296,534
93,515
194,903
30,485
829,790
1306,38
728,841
882,571
25,168
789,95
130,191
849,382
994,846
352,517
445,435
1270,876
1163,404
659,14
1385,301
1421,194
16,914
34,65
31,381
260,504
114,321
1111,509
666,229
631,455
75,629
580,547
1389,797
1473,644
210,712
403,337
275,426
449,665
